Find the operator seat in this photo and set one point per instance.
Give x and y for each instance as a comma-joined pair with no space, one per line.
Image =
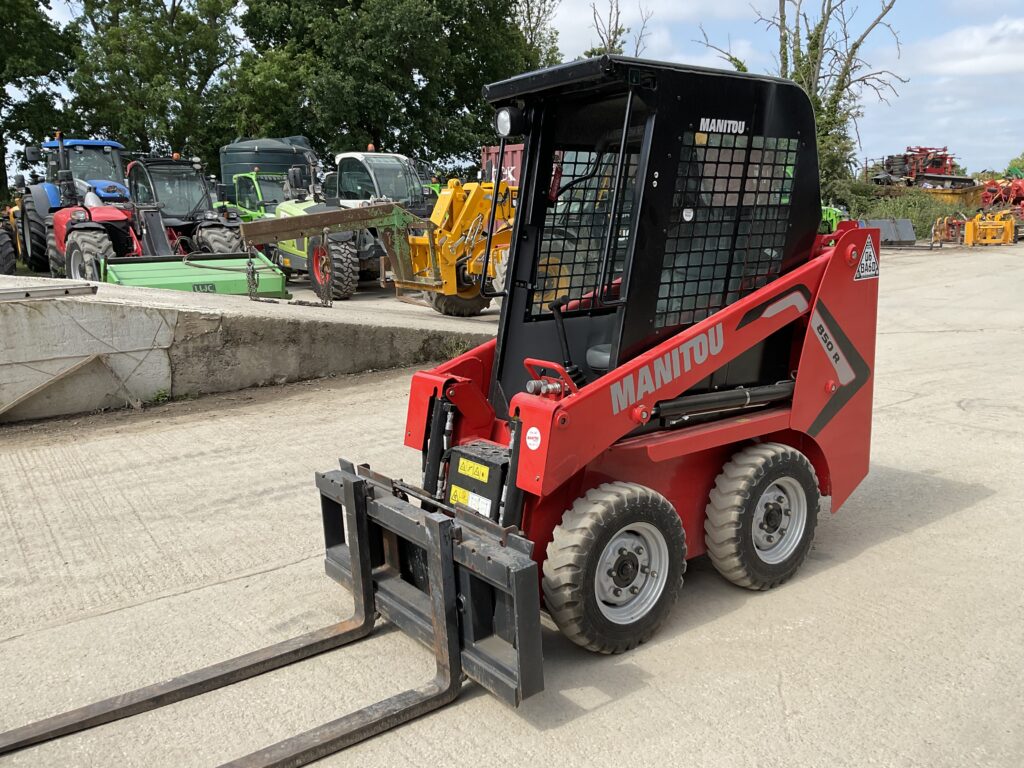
599,358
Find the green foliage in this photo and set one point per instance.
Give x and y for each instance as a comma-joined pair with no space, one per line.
146,69
405,75
1015,169
915,204
36,56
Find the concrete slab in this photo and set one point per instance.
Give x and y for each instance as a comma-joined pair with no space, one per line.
129,345
140,545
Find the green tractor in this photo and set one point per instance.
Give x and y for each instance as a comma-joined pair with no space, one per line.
256,194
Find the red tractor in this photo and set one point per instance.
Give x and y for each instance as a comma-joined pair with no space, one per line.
683,367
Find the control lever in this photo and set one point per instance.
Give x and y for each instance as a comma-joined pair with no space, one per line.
574,373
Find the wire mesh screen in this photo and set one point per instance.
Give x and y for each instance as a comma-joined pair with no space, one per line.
577,224
729,222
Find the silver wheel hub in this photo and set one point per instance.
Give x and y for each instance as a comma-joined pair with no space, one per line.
779,520
631,573
83,268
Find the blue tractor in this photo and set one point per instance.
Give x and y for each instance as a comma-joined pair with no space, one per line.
78,171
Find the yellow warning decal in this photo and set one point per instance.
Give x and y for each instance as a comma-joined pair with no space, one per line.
474,470
459,496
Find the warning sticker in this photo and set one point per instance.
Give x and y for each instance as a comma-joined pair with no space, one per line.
868,267
474,470
469,499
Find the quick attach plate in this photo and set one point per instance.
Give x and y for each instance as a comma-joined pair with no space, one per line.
496,581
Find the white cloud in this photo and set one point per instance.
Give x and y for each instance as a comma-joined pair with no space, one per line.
959,95
993,49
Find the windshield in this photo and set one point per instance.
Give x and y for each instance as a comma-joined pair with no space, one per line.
89,163
271,188
395,180
580,229
180,189
271,191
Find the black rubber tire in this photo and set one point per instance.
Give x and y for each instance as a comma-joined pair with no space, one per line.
33,236
728,527
344,268
214,239
458,306
58,268
8,254
573,557
95,246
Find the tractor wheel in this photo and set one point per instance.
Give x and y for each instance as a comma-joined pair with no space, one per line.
344,268
8,255
614,567
55,258
33,236
85,253
458,305
761,515
219,240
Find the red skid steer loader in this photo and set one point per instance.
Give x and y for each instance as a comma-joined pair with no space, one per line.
682,367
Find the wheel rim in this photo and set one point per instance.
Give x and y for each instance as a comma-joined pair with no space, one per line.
80,268
321,265
779,520
631,573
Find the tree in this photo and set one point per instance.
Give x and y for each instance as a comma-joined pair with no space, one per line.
37,55
404,75
146,70
535,19
611,33
822,52
1016,166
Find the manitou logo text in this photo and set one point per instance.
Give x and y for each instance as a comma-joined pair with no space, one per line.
666,369
712,125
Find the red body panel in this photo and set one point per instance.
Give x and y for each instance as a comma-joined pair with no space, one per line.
100,215
578,440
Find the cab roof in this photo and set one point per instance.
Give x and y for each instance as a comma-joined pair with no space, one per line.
84,143
607,68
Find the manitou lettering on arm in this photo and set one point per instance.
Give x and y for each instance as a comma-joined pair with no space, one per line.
664,370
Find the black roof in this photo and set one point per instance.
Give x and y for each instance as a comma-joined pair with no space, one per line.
293,144
597,69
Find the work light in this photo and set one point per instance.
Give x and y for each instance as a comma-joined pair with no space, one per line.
509,121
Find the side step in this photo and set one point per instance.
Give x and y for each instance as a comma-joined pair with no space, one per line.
387,537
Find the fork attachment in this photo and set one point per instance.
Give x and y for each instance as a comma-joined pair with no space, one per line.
455,571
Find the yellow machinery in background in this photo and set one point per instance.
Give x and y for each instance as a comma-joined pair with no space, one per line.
453,248
994,228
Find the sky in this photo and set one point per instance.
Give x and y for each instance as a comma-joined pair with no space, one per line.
963,60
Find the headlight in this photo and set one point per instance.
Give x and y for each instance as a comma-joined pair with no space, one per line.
509,121
79,216
210,215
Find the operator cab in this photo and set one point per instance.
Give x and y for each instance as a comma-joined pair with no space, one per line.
176,186
366,175
653,195
95,165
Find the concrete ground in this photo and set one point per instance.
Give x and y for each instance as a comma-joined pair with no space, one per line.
135,546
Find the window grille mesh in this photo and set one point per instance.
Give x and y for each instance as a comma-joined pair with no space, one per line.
729,222
575,228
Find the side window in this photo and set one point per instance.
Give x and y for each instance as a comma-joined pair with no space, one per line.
354,181
729,223
140,189
330,185
247,195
